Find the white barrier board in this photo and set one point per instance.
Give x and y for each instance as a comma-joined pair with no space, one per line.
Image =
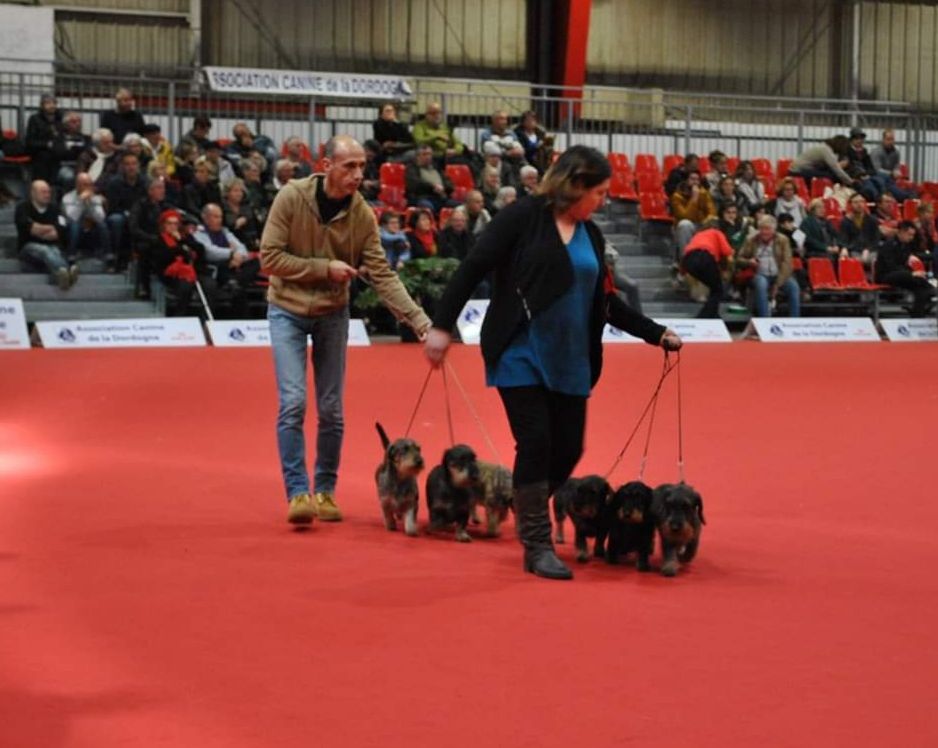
155,332
691,330
909,330
13,333
470,320
813,329
249,333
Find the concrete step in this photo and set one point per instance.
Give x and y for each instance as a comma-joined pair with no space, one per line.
88,266
78,293
39,311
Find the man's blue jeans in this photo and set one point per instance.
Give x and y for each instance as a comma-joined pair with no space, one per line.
288,337
761,284
47,256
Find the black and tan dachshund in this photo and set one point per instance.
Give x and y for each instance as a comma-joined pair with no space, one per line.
678,513
450,488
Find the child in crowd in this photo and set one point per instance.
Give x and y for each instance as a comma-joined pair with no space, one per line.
395,242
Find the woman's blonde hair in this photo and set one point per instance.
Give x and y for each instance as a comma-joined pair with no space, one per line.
578,170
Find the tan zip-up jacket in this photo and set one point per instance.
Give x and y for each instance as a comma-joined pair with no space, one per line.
296,248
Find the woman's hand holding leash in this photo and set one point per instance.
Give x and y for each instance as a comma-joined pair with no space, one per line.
671,341
437,344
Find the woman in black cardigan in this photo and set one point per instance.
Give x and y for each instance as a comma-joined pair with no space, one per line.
541,339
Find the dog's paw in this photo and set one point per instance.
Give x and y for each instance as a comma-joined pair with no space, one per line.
669,569
582,557
599,551
390,525
643,565
463,537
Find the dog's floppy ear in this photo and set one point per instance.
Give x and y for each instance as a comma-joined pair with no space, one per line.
698,504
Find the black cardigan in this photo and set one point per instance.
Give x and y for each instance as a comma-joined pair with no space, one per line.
532,269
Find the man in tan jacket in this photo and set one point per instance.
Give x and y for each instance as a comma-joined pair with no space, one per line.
768,254
318,232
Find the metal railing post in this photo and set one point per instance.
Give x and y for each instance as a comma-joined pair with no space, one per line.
20,111
569,122
688,114
311,124
800,130
171,112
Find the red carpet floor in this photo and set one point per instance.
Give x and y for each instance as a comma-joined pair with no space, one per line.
151,593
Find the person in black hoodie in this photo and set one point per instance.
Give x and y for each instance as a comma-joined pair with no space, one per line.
456,240
41,232
42,130
68,146
542,335
897,265
123,192
395,138
124,118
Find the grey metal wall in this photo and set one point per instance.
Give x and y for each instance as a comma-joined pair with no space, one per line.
420,37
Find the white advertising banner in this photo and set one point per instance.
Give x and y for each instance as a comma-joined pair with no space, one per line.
361,86
909,330
691,330
249,333
470,320
155,332
13,333
814,329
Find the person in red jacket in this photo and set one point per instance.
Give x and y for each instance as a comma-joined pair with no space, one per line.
706,257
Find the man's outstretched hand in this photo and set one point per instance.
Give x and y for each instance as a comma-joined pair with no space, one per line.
341,272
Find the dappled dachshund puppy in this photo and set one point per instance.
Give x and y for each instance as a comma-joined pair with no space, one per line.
584,500
678,513
493,491
396,479
450,486
631,524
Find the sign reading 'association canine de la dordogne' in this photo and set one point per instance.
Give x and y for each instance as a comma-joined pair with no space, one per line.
306,83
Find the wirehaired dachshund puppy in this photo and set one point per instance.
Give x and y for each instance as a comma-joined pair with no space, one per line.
584,500
678,514
493,492
450,486
631,524
396,479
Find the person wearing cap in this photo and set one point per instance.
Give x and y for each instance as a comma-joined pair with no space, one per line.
860,166
159,147
178,260
124,117
42,129
320,230
222,170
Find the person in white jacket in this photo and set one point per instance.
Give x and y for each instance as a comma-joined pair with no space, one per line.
235,269
87,224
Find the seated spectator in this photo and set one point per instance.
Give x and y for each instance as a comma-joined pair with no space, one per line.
124,117
708,257
860,167
476,213
886,163
692,207
494,162
283,173
240,218
396,243
134,144
727,194
826,160
506,196
87,223
197,137
41,233
680,173
768,253
421,235
717,171
255,193
186,156
159,147
201,191
179,261
820,235
456,240
241,146
925,228
144,226
530,179
69,145
433,131
491,184
42,130
394,137
252,145
623,284
221,169
102,160
235,270
301,167
886,214
506,140
859,232
371,174
789,202
123,190
537,144
898,266
425,185
749,186
156,170
734,227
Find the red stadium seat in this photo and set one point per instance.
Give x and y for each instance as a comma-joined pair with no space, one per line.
903,171
802,189
930,188
769,185
763,167
782,167
853,276
622,186
645,163
671,162
392,175
818,185
619,162
797,263
11,135
649,181
445,213
821,275
393,197
910,210
732,164
703,165
832,211
461,177
653,206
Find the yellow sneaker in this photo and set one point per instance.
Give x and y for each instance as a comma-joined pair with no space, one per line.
301,510
326,508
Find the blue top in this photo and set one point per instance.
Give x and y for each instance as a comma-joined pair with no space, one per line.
552,350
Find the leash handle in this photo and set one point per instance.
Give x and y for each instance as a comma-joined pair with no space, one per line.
423,391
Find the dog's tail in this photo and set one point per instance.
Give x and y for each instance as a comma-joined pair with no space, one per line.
385,442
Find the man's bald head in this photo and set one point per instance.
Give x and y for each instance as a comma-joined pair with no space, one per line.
344,165
40,192
342,145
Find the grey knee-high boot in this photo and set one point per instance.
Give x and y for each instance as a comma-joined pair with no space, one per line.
534,531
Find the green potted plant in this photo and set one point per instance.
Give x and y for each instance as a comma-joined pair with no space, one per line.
425,280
